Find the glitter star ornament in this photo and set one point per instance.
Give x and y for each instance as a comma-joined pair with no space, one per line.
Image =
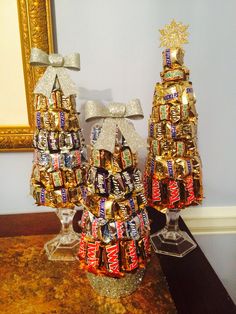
174,35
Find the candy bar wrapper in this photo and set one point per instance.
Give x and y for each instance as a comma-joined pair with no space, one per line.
93,256
181,130
172,93
137,180
58,161
173,57
173,148
61,197
56,121
173,75
52,121
55,140
156,129
108,231
102,183
175,91
159,93
111,258
74,195
122,160
144,248
163,194
102,159
69,103
115,259
174,113
164,167
95,132
129,255
82,247
52,180
126,158
43,197
118,187
56,101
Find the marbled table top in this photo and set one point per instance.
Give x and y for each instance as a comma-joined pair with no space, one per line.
30,284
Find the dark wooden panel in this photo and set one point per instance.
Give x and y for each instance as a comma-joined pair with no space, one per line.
194,285
32,224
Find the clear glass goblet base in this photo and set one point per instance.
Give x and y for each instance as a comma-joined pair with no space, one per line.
66,244
171,240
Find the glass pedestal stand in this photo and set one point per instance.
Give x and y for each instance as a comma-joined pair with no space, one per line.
65,245
171,240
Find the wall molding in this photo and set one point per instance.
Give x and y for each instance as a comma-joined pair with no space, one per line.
210,220
200,220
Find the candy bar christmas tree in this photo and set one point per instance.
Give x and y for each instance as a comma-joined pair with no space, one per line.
114,244
173,178
60,155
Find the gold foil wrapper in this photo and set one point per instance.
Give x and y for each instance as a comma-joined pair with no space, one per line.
173,57
172,75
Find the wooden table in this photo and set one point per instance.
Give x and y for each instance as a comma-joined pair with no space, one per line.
193,284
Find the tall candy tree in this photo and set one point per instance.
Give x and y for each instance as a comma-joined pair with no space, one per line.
173,177
59,166
114,246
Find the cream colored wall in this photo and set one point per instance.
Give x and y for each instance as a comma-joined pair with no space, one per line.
120,59
13,110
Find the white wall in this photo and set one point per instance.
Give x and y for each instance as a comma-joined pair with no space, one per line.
220,250
121,59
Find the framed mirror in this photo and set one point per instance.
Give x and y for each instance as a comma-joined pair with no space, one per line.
23,24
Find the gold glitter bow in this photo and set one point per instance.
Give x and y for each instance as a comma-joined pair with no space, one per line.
56,65
114,116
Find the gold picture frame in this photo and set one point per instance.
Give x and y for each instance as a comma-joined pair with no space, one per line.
35,27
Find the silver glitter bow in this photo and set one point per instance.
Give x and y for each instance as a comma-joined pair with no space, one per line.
56,67
114,116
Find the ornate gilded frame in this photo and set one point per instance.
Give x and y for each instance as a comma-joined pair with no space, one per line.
35,26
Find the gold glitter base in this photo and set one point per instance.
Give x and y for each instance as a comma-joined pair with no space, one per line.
116,287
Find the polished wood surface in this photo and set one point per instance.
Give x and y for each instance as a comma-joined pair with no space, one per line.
194,285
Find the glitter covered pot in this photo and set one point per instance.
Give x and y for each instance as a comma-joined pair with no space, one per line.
116,287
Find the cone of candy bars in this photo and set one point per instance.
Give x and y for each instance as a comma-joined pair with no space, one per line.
60,154
114,247
173,177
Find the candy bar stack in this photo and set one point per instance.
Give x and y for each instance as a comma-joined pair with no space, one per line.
173,176
115,237
60,153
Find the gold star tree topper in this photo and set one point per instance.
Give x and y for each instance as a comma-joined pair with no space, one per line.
174,35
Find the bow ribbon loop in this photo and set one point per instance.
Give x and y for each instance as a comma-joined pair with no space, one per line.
117,110
115,115
56,67
56,60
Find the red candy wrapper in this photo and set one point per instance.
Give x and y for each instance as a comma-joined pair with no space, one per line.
82,247
174,193
190,190
112,258
129,254
93,252
156,190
